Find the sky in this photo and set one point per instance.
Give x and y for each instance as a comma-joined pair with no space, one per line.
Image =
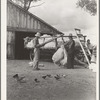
65,16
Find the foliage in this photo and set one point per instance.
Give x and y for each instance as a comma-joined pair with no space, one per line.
25,3
88,5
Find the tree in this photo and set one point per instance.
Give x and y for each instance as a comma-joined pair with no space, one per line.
26,3
88,5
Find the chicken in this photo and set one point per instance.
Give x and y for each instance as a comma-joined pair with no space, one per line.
19,79
57,77
49,75
36,80
44,77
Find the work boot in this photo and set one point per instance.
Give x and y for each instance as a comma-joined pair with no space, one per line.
36,68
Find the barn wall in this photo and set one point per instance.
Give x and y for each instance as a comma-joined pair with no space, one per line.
10,44
18,18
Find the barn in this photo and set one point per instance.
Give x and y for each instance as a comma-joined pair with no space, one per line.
20,24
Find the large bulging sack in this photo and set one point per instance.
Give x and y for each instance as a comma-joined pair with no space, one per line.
64,60
58,55
93,67
30,44
93,58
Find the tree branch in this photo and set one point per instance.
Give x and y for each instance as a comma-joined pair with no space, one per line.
29,5
37,5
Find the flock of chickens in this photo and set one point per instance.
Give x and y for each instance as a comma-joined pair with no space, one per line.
21,79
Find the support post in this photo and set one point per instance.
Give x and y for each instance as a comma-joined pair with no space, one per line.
56,43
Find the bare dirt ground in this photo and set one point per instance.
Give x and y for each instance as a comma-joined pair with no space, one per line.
79,83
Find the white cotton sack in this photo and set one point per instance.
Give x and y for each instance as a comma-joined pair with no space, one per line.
30,64
30,44
58,55
93,67
93,58
64,61
94,70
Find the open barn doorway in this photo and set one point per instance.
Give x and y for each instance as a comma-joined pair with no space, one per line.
22,53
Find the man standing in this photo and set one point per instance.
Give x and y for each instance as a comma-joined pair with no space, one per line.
70,50
90,47
36,51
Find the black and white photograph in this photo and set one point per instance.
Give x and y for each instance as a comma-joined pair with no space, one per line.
50,50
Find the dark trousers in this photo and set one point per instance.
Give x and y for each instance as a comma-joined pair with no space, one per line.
70,61
89,57
91,51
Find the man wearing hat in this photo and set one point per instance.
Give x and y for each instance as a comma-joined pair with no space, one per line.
36,52
70,48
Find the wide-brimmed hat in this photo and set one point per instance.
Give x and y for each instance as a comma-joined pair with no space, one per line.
38,34
70,35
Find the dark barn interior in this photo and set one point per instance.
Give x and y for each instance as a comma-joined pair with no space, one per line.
22,53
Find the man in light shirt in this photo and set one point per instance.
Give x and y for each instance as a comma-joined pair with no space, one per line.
89,46
36,51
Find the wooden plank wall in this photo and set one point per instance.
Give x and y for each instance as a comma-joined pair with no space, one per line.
18,18
10,45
